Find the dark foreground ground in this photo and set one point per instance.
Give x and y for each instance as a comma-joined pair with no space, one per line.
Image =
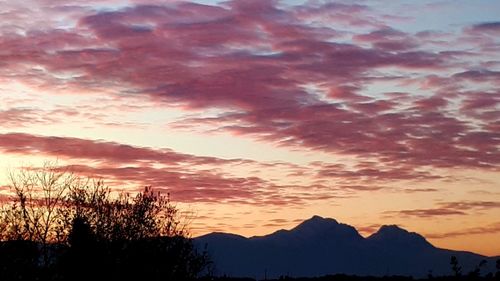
342,277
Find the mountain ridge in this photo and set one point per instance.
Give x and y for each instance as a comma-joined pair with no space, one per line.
320,246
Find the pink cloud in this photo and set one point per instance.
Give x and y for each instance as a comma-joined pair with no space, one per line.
75,148
186,186
491,28
187,177
17,117
257,69
417,190
370,173
489,229
339,13
368,229
426,213
448,209
483,75
388,39
431,104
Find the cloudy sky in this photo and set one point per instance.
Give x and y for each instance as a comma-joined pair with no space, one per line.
255,115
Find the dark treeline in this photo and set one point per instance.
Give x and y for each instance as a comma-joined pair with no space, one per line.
455,275
343,277
59,227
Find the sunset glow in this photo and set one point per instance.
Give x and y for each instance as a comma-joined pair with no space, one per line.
256,115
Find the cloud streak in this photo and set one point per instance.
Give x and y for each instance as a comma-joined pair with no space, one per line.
489,229
459,208
188,177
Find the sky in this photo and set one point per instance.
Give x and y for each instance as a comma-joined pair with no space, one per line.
256,115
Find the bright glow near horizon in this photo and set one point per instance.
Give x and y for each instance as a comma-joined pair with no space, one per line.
256,115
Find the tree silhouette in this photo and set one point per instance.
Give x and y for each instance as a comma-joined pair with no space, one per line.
35,211
77,262
135,238
457,270
477,270
497,274
60,227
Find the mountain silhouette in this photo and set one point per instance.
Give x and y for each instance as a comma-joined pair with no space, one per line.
321,246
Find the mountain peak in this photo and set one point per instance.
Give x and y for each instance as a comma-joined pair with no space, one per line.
316,223
320,220
325,228
221,235
397,235
392,229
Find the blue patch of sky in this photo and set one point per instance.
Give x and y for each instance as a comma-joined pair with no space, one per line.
448,15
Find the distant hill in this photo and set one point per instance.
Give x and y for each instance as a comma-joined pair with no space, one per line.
321,246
